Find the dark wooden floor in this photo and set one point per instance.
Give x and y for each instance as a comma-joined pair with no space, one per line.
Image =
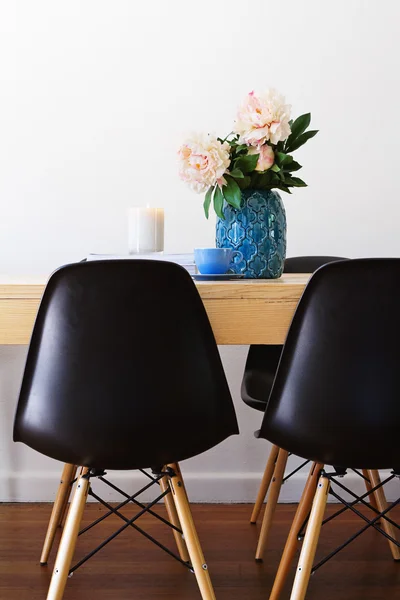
132,568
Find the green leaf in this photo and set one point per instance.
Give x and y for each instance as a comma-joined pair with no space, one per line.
207,201
244,183
283,159
246,163
266,180
237,173
218,202
295,182
302,139
280,145
232,193
283,187
298,127
256,180
293,166
275,168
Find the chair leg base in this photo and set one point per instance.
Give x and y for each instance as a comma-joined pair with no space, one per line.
59,505
265,483
307,554
199,565
272,501
302,512
68,541
174,519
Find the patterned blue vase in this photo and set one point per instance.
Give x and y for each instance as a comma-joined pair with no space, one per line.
258,230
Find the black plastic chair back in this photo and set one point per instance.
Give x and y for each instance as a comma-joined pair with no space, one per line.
336,395
262,360
123,370
308,264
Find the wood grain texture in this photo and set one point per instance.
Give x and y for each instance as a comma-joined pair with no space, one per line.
240,312
132,568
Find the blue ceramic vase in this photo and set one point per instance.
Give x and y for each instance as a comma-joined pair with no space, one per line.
258,231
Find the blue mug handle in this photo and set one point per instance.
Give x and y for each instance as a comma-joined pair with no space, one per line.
234,255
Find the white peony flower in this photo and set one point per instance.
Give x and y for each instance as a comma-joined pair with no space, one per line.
262,118
203,162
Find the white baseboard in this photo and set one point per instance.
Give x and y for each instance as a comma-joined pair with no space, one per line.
202,487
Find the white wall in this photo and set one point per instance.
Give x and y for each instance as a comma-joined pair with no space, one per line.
96,97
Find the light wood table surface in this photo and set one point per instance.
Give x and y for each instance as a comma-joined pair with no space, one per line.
241,312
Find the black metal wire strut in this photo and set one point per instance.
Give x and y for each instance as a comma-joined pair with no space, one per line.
351,506
140,530
121,505
141,505
342,510
130,522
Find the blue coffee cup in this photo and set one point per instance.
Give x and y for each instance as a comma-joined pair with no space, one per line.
215,261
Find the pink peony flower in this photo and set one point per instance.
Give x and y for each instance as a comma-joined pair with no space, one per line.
262,118
203,162
266,159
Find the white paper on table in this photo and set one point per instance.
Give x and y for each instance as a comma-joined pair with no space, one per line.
185,260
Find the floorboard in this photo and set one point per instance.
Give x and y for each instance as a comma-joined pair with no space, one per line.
132,568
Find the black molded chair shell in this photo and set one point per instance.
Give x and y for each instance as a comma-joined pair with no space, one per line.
259,374
336,395
123,371
263,360
308,264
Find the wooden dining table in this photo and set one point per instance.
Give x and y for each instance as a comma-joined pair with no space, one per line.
241,312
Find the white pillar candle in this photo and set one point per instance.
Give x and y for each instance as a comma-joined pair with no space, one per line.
146,230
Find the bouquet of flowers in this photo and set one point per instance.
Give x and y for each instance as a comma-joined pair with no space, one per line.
257,154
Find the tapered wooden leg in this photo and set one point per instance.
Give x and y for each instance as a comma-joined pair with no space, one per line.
266,480
173,517
310,541
368,486
382,505
302,513
67,497
61,500
272,501
82,471
68,541
189,531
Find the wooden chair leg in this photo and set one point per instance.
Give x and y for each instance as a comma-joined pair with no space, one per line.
302,513
174,519
68,540
272,501
382,505
310,543
189,531
67,497
266,480
368,486
61,500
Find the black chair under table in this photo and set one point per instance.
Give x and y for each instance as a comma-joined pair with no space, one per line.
123,372
335,400
259,374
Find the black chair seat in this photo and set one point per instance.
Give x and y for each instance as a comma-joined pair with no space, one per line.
259,375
